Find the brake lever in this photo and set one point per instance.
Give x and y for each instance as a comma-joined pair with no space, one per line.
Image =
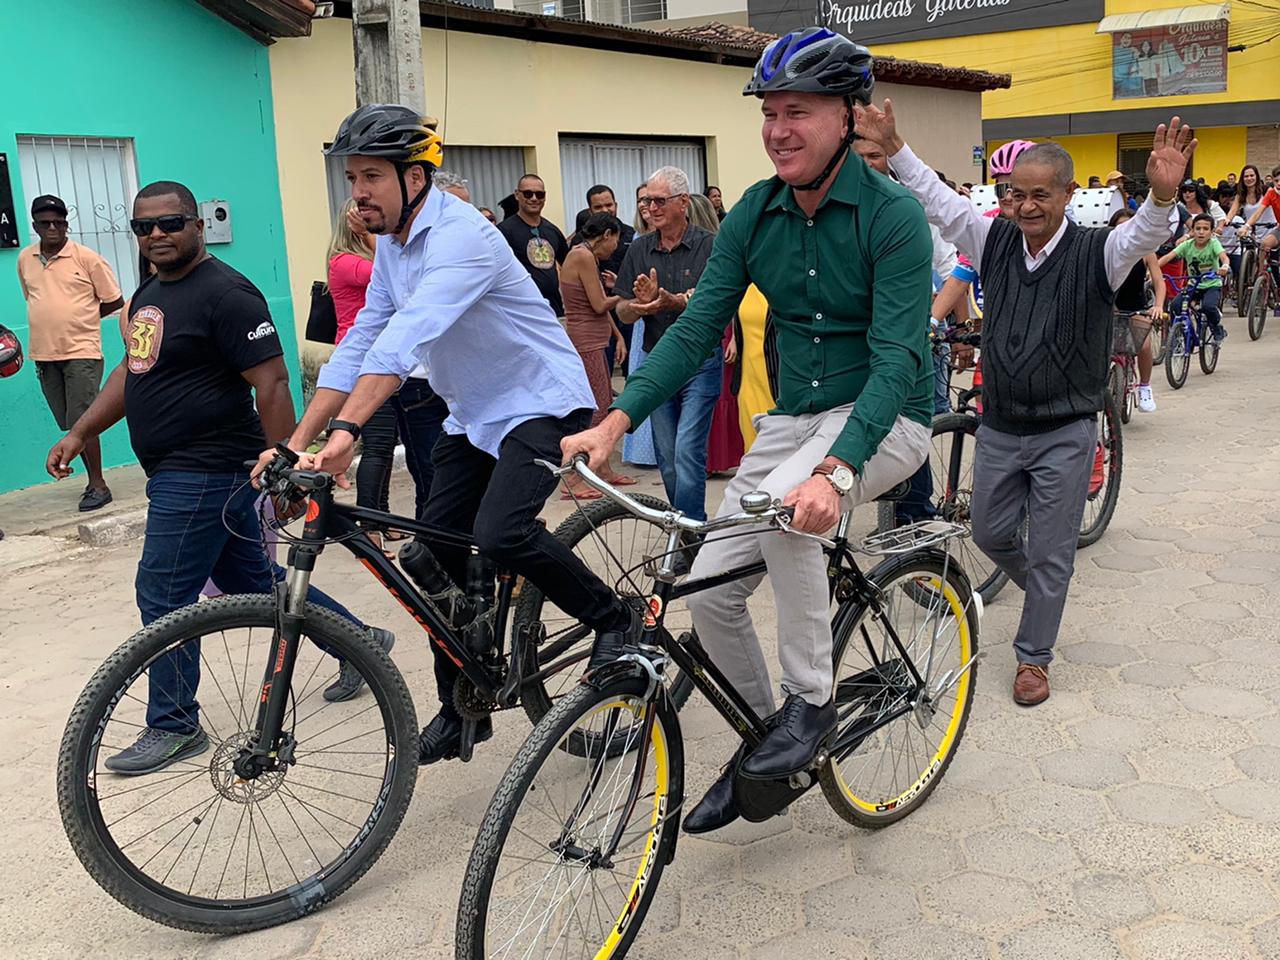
783,521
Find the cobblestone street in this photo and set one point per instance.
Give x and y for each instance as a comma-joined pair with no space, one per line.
1135,815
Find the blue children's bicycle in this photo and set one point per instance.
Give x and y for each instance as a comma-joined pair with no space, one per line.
1188,332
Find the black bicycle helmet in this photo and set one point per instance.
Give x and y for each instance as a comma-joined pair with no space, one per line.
814,60
394,133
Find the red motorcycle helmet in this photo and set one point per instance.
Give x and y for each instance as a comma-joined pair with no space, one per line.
10,352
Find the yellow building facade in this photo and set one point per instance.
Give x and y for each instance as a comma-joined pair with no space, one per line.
1065,79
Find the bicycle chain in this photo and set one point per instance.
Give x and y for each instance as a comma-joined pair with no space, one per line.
469,702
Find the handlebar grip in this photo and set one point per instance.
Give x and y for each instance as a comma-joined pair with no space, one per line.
788,512
579,458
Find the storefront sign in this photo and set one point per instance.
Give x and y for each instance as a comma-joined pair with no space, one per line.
8,217
901,21
1177,59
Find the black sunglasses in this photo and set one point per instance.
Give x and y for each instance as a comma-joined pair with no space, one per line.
1002,189
534,194
173,223
48,224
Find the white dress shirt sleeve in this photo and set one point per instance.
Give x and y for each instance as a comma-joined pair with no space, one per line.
460,267
944,253
958,220
343,368
1134,239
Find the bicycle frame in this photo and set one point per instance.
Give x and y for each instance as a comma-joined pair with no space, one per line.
327,520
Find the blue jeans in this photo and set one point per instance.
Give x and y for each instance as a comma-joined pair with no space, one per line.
681,427
420,413
942,380
187,544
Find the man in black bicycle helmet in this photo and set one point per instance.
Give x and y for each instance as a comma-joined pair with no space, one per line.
843,256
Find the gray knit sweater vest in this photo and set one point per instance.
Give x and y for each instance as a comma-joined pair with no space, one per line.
1046,335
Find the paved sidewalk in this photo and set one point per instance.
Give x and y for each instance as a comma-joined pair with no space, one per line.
1135,815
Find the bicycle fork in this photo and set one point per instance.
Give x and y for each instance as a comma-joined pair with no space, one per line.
270,747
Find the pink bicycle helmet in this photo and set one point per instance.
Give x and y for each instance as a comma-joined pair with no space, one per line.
1002,161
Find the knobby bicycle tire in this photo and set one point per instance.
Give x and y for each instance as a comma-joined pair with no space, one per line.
78,789
1177,359
516,786
1257,307
933,567
1109,432
574,530
989,579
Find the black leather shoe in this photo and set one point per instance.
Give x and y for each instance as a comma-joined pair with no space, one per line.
611,644
716,809
798,730
441,738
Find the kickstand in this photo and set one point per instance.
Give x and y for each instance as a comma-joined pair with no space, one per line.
467,741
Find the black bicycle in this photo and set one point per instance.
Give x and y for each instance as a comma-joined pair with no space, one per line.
575,841
298,797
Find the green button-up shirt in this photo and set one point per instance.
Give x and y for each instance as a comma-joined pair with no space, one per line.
848,291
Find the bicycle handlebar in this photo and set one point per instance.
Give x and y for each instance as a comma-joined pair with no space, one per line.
764,510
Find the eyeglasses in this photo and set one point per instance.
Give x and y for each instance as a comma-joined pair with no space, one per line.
173,223
49,224
534,194
1002,189
658,202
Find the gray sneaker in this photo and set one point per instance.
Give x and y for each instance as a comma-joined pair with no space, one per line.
349,682
156,749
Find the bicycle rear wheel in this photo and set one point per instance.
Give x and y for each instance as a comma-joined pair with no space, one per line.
1209,350
601,534
542,880
197,847
877,776
1100,504
1158,340
1177,356
951,470
1257,307
1245,282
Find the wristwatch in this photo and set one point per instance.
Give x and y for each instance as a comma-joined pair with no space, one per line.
839,476
347,425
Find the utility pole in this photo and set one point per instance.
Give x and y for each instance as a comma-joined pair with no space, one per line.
388,44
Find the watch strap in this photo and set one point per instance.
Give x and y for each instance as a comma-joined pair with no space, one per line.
347,425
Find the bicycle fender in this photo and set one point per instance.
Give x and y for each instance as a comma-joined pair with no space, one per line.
605,674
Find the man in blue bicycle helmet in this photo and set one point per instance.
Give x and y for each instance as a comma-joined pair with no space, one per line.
843,256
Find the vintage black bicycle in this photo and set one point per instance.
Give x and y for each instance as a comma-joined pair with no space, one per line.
298,797
583,823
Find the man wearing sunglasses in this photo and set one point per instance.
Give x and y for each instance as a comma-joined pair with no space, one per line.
201,352
69,288
537,242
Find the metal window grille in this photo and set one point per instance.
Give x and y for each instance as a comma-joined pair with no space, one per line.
623,165
97,178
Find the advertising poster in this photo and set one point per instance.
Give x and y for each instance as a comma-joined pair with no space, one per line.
1177,59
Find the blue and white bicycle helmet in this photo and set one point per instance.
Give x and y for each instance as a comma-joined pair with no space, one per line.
814,60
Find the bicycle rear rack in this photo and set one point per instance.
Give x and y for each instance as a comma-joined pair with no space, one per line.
914,536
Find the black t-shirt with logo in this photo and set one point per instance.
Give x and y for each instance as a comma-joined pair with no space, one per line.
539,249
186,345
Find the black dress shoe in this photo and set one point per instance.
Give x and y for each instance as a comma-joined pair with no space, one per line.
441,738
716,809
611,644
798,730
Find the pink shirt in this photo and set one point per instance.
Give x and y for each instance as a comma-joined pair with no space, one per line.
348,280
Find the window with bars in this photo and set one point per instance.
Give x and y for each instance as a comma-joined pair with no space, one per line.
97,178
623,165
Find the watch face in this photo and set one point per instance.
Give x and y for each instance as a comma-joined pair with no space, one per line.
842,477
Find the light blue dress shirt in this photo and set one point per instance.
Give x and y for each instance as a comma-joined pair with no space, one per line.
454,300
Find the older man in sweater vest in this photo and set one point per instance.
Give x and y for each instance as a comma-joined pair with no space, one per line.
1049,287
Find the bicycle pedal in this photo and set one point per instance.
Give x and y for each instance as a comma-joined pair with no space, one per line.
467,741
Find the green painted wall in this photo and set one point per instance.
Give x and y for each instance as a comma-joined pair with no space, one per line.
194,94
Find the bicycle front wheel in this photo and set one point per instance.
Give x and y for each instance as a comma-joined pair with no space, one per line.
573,846
1245,282
1104,484
951,470
1257,307
195,845
886,756
1177,354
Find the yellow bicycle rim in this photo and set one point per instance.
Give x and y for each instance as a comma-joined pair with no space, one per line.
878,807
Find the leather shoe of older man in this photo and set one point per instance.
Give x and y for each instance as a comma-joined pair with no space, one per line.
1030,685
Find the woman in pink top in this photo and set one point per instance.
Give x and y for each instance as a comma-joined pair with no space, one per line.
589,323
350,267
